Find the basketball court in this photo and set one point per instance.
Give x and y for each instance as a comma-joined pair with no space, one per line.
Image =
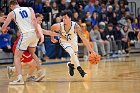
119,75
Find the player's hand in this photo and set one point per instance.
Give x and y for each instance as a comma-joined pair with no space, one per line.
54,40
92,52
41,40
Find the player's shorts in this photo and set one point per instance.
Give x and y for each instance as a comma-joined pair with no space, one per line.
27,40
26,56
67,44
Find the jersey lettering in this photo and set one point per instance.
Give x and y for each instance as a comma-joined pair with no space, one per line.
23,14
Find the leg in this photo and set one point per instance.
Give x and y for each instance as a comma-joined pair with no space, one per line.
37,60
74,58
32,68
95,47
107,47
102,48
17,63
41,73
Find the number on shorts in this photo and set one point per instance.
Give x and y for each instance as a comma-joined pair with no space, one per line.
23,14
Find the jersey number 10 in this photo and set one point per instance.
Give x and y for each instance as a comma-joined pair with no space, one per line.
23,14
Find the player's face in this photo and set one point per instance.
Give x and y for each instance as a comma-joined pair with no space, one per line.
2,18
66,19
11,7
39,20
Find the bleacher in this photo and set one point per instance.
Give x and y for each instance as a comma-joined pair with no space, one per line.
6,57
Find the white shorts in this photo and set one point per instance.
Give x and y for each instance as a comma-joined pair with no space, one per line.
27,40
67,44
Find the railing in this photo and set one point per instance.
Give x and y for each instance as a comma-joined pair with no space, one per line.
133,8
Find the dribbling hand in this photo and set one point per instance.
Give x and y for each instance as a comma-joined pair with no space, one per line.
54,40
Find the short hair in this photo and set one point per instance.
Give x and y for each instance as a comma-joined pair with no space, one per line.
38,15
13,2
96,27
67,12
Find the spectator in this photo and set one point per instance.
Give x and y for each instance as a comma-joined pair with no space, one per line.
104,42
103,15
81,12
118,38
88,23
97,6
111,16
46,10
2,17
94,19
37,6
5,42
54,9
75,16
73,6
62,6
110,38
90,7
125,40
96,39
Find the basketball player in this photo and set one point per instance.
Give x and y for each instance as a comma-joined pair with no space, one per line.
69,30
25,18
26,58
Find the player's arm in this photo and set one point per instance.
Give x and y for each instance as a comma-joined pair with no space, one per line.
7,22
50,33
37,28
85,41
56,28
34,20
40,34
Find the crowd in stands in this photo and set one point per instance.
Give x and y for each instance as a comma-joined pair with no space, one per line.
108,24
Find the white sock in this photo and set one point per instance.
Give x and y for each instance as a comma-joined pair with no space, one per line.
75,59
19,77
13,68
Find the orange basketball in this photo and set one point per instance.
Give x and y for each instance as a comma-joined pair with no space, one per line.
94,58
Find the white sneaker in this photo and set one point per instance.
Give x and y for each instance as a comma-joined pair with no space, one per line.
17,82
119,52
10,72
40,75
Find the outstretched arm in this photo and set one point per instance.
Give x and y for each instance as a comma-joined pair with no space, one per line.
85,41
50,33
55,27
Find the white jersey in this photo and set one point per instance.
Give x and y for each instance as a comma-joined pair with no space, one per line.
71,35
23,19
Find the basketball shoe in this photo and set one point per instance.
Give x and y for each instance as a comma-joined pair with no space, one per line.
81,71
30,78
10,71
71,68
40,75
19,81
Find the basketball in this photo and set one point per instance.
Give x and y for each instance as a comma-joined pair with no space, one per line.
94,58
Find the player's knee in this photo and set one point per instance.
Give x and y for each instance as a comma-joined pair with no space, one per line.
73,54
